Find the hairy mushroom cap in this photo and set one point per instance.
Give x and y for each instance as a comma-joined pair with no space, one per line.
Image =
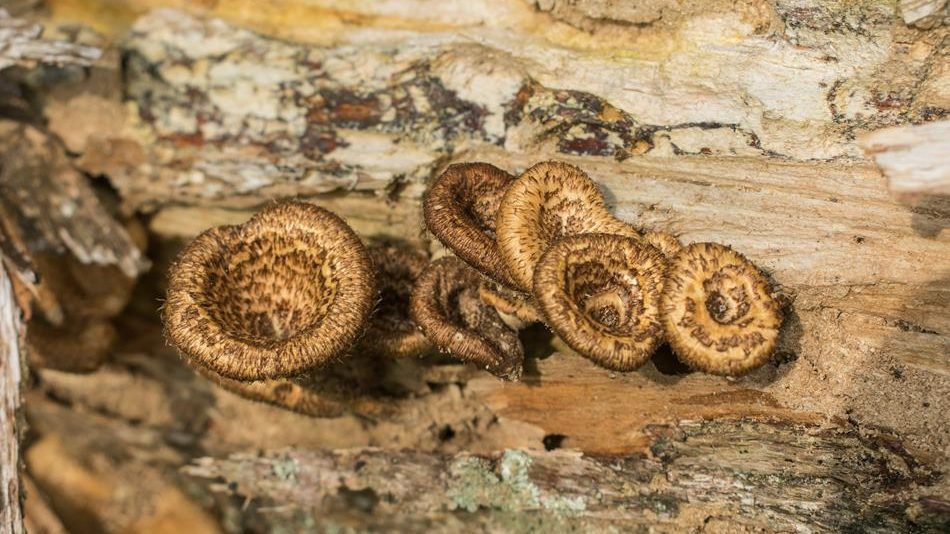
446,305
287,291
510,302
601,294
391,331
718,310
549,201
666,243
459,209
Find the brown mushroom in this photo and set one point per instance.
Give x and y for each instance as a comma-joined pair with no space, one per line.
601,294
285,292
446,305
283,392
666,243
76,302
515,304
459,209
391,331
549,201
76,346
719,313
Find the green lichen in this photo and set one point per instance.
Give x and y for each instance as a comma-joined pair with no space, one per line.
285,469
476,485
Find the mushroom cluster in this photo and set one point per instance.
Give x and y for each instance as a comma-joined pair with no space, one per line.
547,248
258,307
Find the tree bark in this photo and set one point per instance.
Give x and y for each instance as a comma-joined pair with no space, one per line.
11,423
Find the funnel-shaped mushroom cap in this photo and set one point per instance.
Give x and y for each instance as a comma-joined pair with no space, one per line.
391,331
601,294
289,290
446,305
549,201
460,208
719,313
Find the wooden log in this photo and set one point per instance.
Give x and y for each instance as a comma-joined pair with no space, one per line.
725,122
21,44
915,159
11,425
737,475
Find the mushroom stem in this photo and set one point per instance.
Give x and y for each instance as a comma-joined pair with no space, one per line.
517,308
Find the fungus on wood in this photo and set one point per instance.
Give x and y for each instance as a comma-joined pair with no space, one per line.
446,305
718,310
519,306
601,294
667,244
286,292
391,331
549,201
460,209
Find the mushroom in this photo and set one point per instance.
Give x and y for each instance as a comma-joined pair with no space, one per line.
391,332
285,292
76,346
549,201
460,208
446,306
515,304
282,392
73,331
718,310
601,294
666,243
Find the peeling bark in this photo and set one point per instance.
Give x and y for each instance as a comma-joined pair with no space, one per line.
11,424
915,159
21,44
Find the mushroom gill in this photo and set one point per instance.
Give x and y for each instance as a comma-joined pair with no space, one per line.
287,291
391,331
446,305
718,310
459,209
549,201
601,294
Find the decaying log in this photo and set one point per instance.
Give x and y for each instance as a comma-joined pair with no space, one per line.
21,43
52,206
11,425
915,159
741,475
735,123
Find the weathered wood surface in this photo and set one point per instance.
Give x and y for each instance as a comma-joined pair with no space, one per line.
736,476
53,208
21,44
733,460
11,424
915,159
